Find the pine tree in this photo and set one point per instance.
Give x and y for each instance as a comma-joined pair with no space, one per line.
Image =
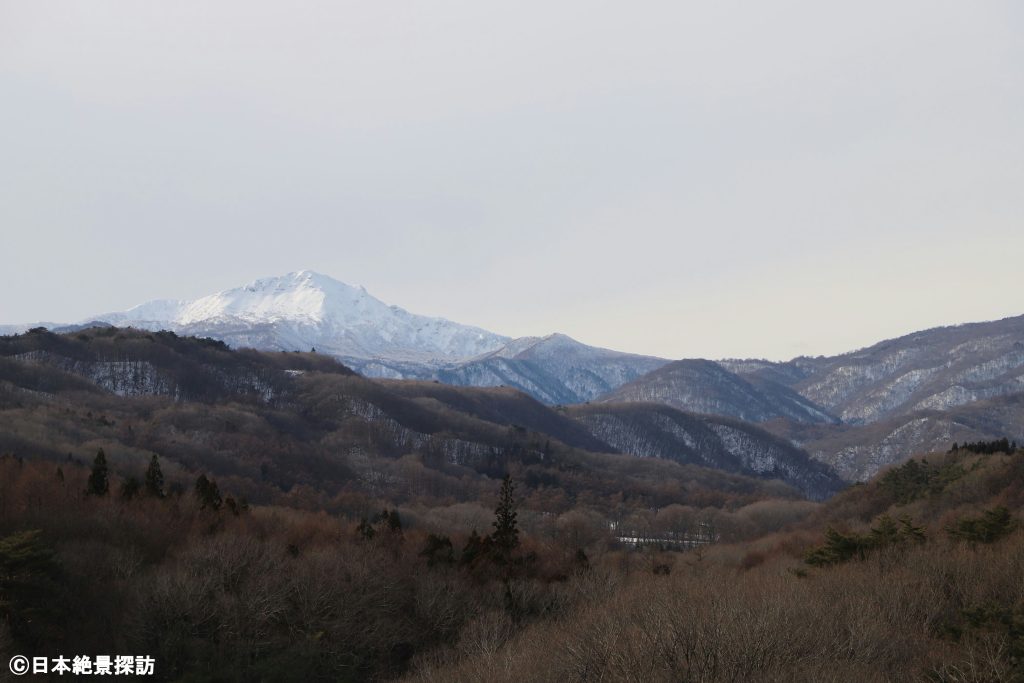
99,478
885,532
991,526
208,493
154,478
506,532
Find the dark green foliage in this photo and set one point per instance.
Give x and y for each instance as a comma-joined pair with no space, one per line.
154,478
28,575
1004,622
99,478
987,447
840,547
989,527
438,550
506,531
917,479
208,493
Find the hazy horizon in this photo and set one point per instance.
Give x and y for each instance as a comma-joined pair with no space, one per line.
671,179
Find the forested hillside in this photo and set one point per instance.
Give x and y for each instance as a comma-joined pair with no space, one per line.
302,427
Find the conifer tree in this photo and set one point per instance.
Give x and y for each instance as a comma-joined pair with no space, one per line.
154,478
208,493
99,478
506,531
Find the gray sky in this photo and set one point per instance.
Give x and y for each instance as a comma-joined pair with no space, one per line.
683,179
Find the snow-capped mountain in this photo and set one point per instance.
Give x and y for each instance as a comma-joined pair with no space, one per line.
303,310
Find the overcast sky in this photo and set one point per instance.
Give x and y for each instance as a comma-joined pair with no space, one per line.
676,178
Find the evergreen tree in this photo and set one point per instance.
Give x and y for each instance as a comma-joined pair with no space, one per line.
989,527
154,478
884,533
506,531
208,493
839,547
910,531
99,478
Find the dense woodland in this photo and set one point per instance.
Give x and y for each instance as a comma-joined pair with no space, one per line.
274,517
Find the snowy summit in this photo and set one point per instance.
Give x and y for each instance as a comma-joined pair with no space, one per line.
304,309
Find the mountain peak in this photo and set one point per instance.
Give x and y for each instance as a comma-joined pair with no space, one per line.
304,309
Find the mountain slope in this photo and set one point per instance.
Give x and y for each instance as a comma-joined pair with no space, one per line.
858,452
304,309
658,431
555,369
303,426
703,386
933,369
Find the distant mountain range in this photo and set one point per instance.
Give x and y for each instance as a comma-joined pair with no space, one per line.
554,369
866,409
703,386
302,310
856,412
305,310
284,419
